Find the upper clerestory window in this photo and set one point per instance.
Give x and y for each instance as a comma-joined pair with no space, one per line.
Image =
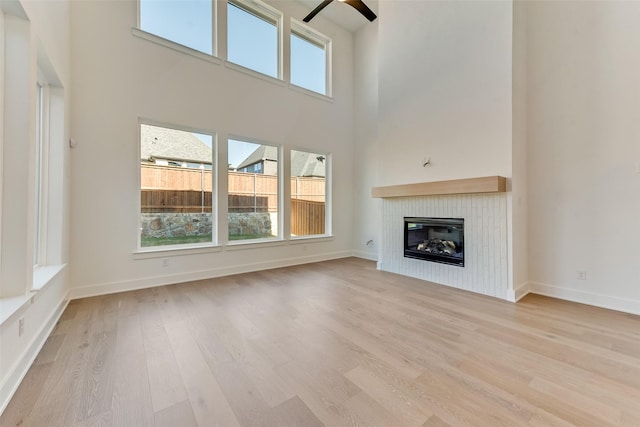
253,36
310,53
189,23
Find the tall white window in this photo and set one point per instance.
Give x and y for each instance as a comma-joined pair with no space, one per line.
253,184
309,193
253,36
176,187
310,53
187,22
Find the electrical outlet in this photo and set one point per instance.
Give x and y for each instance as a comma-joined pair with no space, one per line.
582,275
165,262
21,326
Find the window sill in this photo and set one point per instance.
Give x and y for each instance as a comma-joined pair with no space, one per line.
311,93
235,245
308,239
42,276
175,46
254,244
253,73
11,305
164,251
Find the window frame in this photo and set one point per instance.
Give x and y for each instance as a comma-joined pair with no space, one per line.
214,189
41,168
270,14
48,162
315,37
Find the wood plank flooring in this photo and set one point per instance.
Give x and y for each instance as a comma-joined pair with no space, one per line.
335,343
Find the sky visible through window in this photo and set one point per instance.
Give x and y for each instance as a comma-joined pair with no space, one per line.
240,150
252,41
188,22
308,64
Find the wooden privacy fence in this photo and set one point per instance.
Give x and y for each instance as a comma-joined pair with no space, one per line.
251,190
175,178
182,201
307,217
251,203
308,188
187,190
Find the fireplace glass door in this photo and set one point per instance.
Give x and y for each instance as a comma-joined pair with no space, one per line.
435,239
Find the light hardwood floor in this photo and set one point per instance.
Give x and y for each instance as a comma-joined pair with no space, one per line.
335,343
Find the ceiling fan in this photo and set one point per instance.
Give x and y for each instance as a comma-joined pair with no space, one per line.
356,4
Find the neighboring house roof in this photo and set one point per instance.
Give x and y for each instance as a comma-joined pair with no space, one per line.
263,152
163,143
308,164
302,163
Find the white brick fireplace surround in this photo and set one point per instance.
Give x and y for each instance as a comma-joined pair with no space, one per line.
485,233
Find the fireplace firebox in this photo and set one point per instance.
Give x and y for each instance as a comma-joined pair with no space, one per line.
435,239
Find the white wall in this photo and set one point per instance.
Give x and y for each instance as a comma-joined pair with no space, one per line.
518,198
583,151
367,215
44,29
119,77
445,90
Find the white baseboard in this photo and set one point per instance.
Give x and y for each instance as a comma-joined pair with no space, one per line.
365,255
20,368
519,292
583,297
150,282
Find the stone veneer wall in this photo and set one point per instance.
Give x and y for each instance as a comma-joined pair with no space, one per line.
167,224
197,224
485,239
243,224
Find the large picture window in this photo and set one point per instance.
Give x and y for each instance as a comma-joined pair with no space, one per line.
253,36
176,187
253,190
308,193
187,22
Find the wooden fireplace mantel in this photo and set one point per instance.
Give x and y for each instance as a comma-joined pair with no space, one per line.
487,184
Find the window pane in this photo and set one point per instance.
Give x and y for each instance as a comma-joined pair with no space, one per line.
176,180
187,22
308,64
253,191
308,193
252,41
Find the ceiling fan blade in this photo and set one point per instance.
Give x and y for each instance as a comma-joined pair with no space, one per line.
315,11
362,8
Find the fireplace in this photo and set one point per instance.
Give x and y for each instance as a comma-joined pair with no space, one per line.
435,239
